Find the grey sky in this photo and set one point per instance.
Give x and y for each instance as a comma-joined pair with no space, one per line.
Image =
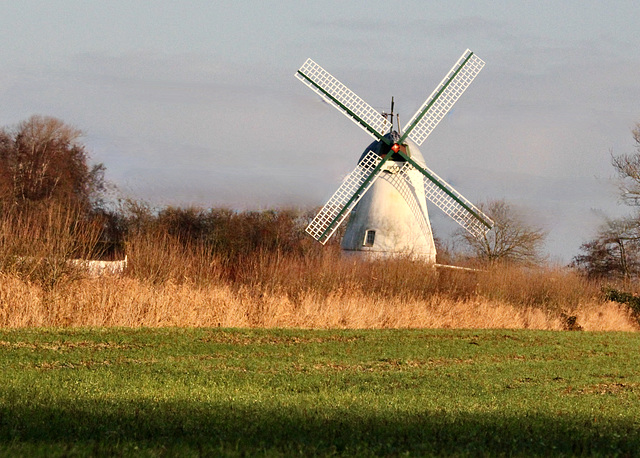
196,103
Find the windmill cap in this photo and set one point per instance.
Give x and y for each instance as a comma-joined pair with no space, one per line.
382,149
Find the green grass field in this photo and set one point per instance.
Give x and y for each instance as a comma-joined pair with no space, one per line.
189,392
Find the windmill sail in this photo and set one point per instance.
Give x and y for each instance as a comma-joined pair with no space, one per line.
442,98
345,198
451,202
342,98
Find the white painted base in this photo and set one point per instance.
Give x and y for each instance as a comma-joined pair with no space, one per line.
398,232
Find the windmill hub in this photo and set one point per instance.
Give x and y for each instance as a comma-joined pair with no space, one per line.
389,144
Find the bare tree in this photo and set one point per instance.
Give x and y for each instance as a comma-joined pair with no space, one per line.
614,252
627,167
512,239
42,158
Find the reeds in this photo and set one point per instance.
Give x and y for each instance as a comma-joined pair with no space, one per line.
35,244
174,281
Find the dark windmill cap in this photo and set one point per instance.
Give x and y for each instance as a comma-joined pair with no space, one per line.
382,149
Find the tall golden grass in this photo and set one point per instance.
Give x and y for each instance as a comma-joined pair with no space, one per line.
35,243
171,282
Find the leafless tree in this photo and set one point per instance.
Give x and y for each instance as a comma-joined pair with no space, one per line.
627,167
511,240
614,252
42,158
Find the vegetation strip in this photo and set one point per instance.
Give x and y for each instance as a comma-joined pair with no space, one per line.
237,392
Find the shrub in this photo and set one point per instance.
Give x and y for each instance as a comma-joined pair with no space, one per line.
630,300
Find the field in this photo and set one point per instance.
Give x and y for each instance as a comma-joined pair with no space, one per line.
240,338
188,392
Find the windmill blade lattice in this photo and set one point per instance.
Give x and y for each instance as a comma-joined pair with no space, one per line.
443,97
451,202
345,198
344,99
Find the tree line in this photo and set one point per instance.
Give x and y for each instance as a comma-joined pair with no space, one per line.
43,163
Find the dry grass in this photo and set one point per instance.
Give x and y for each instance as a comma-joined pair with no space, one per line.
131,302
35,244
173,283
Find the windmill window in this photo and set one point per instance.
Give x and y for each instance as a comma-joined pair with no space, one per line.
369,238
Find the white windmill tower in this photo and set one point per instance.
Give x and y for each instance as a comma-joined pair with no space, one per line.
386,194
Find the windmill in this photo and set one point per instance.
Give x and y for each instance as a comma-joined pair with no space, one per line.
386,193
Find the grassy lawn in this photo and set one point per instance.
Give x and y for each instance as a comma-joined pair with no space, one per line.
163,392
